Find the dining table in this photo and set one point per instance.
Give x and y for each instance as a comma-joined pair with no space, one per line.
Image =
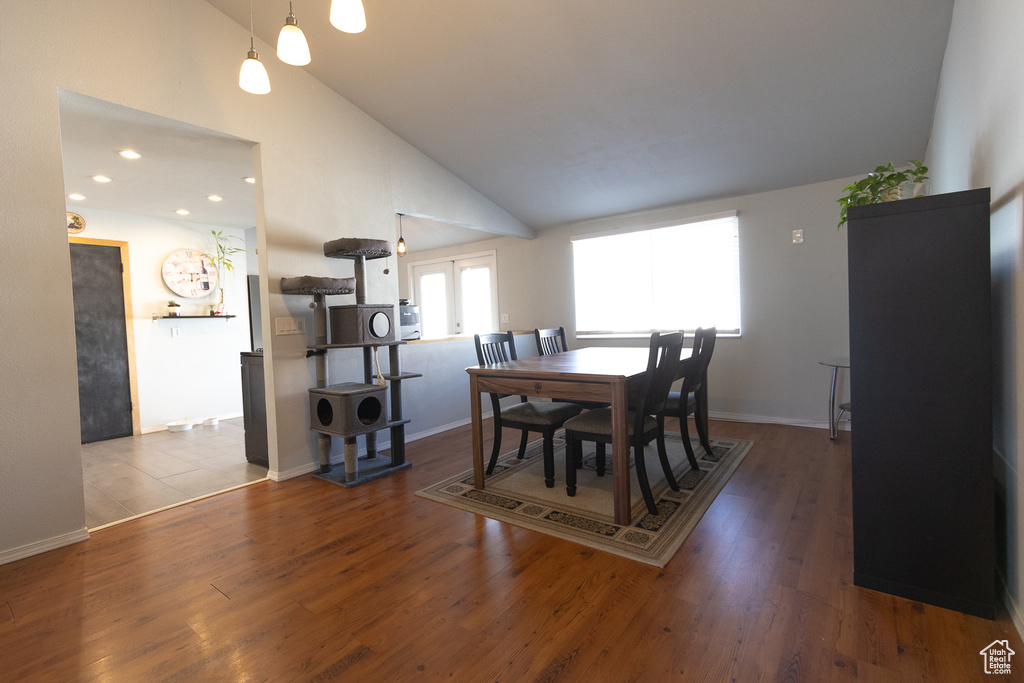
600,374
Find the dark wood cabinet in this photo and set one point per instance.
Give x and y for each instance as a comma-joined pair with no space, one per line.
921,387
254,408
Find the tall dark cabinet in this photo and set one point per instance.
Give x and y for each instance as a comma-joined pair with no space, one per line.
921,388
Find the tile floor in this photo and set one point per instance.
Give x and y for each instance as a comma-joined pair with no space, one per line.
137,474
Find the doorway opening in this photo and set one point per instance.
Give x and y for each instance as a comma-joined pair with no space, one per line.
186,187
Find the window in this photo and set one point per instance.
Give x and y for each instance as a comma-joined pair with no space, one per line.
456,296
668,277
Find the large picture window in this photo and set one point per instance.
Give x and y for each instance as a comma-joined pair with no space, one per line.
660,278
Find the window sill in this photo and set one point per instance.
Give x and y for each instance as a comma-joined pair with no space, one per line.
458,337
616,337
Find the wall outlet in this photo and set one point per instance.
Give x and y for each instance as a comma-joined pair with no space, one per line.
284,326
504,318
175,332
798,236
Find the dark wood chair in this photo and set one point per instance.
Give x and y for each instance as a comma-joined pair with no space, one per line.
529,416
551,340
596,425
692,397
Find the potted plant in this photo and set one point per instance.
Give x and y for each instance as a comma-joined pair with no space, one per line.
884,184
172,308
221,257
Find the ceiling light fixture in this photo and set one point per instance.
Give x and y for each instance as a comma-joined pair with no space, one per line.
182,212
252,77
348,16
401,238
130,154
214,198
249,179
77,197
101,179
292,47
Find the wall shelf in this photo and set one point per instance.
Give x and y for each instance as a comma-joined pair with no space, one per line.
193,317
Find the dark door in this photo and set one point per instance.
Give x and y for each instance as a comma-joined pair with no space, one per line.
104,388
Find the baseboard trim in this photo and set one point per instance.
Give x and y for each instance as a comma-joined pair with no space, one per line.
384,445
844,426
43,546
274,475
1012,608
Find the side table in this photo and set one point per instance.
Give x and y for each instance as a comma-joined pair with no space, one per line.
833,419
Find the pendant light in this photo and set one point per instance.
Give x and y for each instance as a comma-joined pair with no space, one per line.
253,75
401,239
348,16
292,47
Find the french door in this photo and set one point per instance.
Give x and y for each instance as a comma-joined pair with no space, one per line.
457,296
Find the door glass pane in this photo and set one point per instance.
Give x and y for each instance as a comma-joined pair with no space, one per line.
475,284
433,305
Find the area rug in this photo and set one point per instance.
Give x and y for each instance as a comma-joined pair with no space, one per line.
516,494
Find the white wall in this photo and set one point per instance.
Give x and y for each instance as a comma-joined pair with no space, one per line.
324,169
978,141
196,374
794,298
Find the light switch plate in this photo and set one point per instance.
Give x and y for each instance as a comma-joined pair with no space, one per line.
284,326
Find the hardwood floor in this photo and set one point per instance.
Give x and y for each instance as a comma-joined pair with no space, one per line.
307,581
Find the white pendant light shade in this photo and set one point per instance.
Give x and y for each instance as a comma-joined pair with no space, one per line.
348,16
253,75
292,47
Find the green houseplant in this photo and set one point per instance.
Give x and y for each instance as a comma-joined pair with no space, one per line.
221,258
884,184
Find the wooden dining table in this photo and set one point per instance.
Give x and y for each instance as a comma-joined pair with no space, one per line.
588,374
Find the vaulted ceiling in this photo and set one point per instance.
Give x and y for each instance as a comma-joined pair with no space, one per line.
566,110
572,109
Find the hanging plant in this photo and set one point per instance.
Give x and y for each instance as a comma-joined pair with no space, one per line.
884,184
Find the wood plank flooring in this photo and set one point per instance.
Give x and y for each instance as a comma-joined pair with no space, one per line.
306,581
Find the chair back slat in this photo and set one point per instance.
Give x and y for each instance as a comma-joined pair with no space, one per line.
499,347
706,348
694,373
662,366
550,341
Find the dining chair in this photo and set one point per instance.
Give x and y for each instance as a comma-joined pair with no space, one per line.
551,340
545,417
596,425
692,397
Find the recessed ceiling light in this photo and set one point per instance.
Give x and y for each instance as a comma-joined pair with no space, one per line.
77,197
249,179
101,179
213,198
182,212
130,154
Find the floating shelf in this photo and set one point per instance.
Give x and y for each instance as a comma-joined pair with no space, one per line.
193,317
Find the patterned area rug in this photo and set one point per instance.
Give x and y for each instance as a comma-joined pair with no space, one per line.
515,493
